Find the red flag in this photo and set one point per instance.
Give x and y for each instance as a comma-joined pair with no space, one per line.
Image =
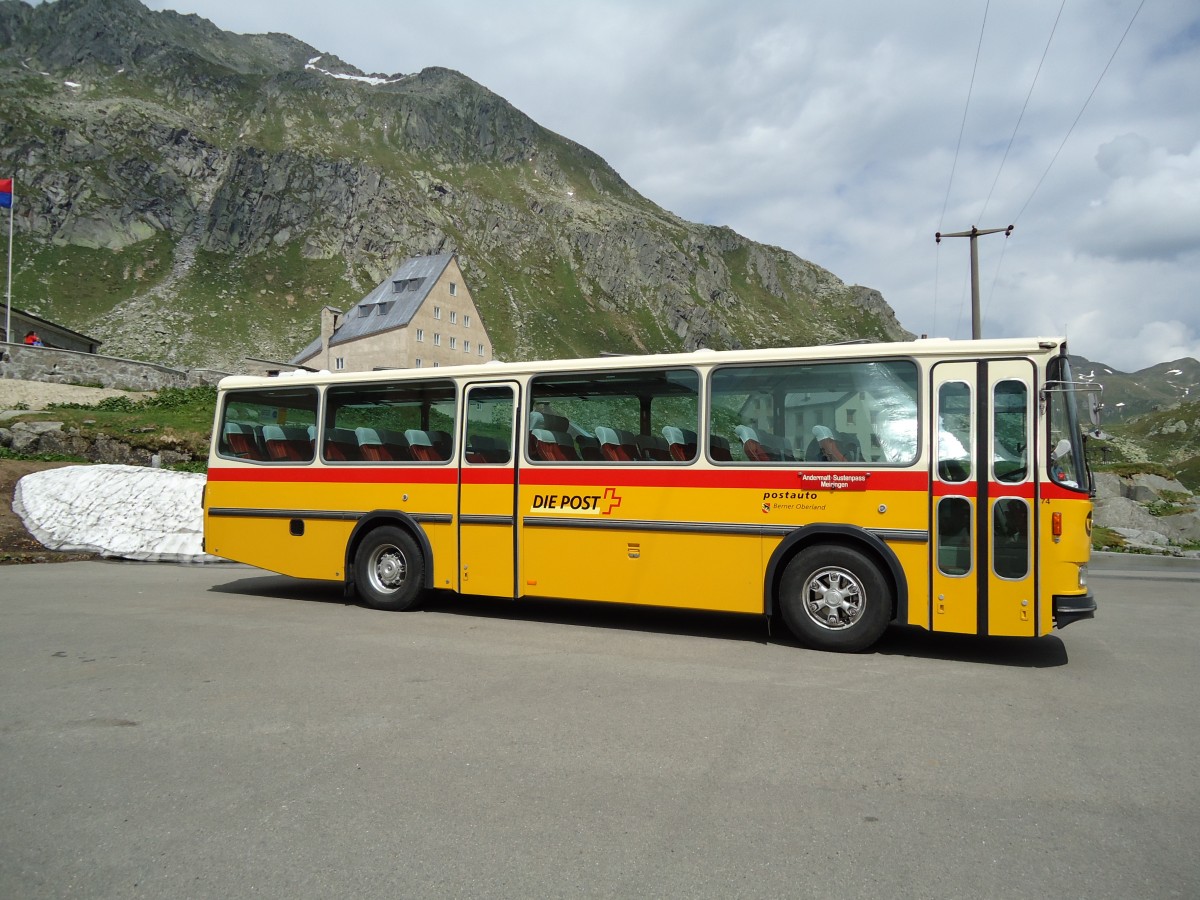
5,192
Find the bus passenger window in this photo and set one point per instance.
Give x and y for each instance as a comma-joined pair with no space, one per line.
632,417
400,422
273,425
831,413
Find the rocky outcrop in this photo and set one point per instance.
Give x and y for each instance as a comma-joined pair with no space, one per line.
51,439
1151,513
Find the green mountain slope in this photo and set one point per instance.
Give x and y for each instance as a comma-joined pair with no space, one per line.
193,197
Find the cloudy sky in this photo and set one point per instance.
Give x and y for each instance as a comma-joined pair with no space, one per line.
851,132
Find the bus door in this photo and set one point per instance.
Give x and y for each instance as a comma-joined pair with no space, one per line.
487,491
981,494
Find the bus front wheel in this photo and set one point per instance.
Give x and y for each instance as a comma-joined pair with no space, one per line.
389,569
835,598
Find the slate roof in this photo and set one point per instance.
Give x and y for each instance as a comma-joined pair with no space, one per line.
392,303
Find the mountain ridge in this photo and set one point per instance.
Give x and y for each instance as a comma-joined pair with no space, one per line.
192,196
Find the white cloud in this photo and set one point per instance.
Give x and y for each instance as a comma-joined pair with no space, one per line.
830,130
1151,208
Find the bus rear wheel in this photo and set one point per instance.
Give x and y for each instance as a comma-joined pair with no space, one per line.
835,598
389,569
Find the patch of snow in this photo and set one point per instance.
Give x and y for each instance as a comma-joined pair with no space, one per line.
126,512
72,84
1175,372
365,79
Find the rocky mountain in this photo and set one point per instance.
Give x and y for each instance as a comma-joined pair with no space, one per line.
192,196
1154,388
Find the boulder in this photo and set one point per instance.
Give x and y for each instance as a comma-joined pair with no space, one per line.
1145,488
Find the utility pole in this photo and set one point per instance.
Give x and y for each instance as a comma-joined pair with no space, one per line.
976,322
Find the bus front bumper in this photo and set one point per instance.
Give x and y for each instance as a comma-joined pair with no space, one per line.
1072,608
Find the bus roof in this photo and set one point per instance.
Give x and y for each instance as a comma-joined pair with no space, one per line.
920,347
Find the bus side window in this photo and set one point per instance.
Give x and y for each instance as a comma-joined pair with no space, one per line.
269,425
637,417
828,413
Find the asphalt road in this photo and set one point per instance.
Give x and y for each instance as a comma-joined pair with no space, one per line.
180,732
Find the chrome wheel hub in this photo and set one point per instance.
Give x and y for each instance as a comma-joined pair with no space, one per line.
388,569
834,598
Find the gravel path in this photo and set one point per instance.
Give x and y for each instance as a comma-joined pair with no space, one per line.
38,394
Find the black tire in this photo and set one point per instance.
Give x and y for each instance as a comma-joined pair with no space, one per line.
835,598
389,569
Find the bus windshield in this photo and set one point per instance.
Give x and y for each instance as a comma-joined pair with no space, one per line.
1066,462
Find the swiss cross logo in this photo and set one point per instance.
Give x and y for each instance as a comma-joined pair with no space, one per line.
610,497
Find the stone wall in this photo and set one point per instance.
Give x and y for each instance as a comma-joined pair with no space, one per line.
72,367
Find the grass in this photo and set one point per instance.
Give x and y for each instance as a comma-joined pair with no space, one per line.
174,418
77,285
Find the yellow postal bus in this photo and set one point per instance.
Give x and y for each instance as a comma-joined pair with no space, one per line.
936,483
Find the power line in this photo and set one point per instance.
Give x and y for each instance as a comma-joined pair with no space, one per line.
1081,111
1017,127
966,107
957,148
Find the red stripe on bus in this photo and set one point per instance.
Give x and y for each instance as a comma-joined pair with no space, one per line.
762,479
339,475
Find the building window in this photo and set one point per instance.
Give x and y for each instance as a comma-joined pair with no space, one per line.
420,334
481,349
437,312
453,289
437,339
436,364
418,361
339,363
466,321
453,317
466,346
453,343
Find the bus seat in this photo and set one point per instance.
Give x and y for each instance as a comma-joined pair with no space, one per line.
381,445
823,447
421,446
566,446
751,445
612,447
652,447
677,443
543,446
286,443
718,448
851,447
341,445
256,435
240,440
484,449
588,447
442,443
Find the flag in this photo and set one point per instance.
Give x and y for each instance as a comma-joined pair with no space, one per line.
6,192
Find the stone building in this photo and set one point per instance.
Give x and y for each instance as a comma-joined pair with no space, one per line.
421,316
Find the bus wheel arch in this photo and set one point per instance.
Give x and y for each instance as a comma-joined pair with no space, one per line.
389,561
837,587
